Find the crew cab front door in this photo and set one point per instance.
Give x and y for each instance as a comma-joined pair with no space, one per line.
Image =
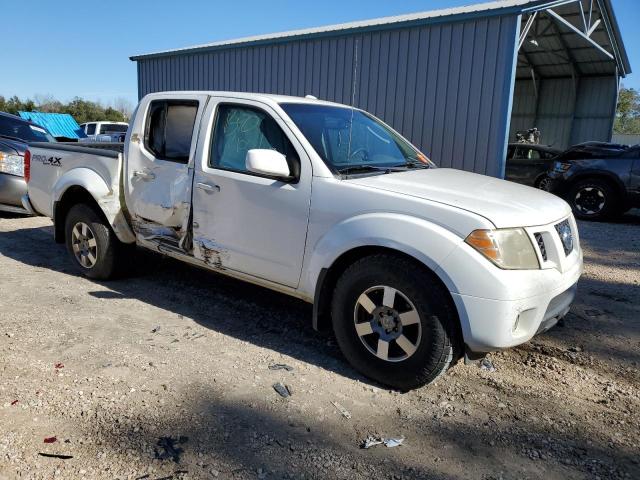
243,221
159,161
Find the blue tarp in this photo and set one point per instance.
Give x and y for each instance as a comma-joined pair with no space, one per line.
58,124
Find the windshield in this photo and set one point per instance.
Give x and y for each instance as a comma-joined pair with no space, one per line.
351,140
23,131
113,128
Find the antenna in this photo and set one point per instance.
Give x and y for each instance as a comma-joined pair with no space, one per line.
353,99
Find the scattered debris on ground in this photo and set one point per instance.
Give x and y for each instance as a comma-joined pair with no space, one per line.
343,411
280,366
283,390
372,441
168,448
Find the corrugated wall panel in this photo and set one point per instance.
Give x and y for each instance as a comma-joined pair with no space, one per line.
566,113
444,86
595,109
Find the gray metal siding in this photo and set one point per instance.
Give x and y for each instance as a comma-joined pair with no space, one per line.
444,86
566,112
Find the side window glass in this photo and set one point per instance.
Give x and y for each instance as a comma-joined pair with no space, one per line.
91,129
520,153
179,131
169,129
534,154
240,129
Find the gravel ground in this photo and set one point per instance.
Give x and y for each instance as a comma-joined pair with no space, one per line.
165,375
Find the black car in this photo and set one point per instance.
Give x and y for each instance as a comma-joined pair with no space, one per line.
528,164
15,134
599,180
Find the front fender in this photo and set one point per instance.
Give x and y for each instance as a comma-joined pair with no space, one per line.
426,242
107,198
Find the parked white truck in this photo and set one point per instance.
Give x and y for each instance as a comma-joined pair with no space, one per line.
411,265
104,131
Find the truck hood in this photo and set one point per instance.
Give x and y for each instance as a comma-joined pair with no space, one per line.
505,204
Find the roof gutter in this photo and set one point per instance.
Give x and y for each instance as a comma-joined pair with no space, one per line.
293,36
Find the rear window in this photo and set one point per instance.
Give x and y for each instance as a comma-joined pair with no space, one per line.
169,129
113,128
24,131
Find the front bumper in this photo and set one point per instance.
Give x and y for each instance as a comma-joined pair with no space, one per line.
12,188
490,325
503,308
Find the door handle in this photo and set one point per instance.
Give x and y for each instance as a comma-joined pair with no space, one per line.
208,187
144,175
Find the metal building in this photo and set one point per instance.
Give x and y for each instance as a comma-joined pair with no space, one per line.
458,82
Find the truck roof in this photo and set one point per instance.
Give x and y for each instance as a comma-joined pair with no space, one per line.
264,97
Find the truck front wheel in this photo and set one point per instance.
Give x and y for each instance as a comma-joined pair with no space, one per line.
91,243
394,321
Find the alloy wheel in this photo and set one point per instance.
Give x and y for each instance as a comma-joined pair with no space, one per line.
590,200
545,184
387,323
85,246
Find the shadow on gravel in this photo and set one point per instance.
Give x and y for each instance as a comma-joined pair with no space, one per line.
231,307
239,441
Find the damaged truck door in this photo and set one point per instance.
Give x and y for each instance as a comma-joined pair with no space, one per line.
158,189
244,219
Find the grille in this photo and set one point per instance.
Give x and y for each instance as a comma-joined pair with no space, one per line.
541,245
566,236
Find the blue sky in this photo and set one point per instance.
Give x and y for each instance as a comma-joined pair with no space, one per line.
71,48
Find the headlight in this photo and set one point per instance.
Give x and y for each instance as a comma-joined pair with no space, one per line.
13,164
561,167
509,248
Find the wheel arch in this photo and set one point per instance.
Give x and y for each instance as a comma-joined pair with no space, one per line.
611,179
86,186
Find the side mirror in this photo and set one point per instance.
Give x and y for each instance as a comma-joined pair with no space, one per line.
269,163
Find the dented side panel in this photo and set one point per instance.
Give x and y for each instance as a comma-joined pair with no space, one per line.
158,191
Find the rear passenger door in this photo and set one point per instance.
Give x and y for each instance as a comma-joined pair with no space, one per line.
526,165
159,161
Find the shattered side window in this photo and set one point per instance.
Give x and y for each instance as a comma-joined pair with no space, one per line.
240,129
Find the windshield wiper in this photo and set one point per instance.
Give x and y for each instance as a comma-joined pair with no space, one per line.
363,169
413,163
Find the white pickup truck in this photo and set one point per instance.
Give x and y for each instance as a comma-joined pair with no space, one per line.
104,131
412,266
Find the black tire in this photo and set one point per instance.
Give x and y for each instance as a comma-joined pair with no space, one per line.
593,199
439,341
109,261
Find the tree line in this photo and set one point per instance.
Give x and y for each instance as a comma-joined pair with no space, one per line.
628,112
81,110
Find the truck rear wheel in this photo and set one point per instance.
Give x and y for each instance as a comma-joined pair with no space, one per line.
394,321
91,243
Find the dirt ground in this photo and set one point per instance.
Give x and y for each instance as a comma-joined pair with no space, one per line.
165,375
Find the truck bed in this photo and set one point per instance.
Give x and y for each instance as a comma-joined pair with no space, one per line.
57,166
